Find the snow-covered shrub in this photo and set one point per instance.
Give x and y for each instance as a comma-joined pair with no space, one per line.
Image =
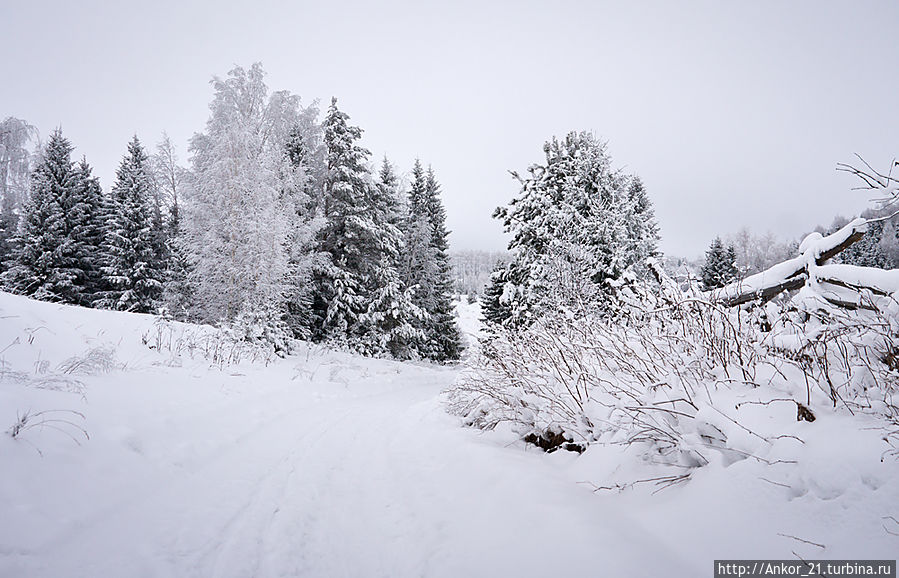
221,347
677,378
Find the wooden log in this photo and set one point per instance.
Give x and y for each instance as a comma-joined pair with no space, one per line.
792,274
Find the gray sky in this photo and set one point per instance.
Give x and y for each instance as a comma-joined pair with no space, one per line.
733,113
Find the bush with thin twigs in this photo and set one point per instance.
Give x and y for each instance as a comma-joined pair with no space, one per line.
660,374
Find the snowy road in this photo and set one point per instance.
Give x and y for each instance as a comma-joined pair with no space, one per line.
318,467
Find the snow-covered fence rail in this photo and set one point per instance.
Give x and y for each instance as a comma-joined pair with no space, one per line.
814,252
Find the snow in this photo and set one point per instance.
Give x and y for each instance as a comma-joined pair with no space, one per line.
328,464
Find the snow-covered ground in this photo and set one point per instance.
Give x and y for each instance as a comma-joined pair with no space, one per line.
328,464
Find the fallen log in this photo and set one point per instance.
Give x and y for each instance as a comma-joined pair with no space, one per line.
790,275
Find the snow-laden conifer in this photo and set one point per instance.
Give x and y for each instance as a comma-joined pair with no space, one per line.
56,253
577,223
133,271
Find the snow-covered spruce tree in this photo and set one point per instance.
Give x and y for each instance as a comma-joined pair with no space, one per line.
392,318
868,252
443,337
56,255
351,297
641,226
574,215
494,309
418,264
88,224
132,271
389,189
720,266
347,234
237,220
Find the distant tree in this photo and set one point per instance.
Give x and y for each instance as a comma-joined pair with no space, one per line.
756,253
472,270
720,266
867,252
16,136
494,309
889,245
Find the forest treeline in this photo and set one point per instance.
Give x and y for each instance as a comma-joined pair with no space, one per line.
279,228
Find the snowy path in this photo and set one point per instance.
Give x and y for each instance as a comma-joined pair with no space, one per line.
348,468
326,464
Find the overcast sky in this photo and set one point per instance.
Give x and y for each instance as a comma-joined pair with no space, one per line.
733,113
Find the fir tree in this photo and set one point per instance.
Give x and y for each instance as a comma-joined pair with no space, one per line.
641,227
392,319
349,235
868,251
133,270
494,311
574,227
418,266
720,266
388,186
88,229
50,262
444,338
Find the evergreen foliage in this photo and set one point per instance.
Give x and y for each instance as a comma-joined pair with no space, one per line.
444,339
134,269
720,266
494,309
56,258
577,225
426,268
869,250
88,231
349,234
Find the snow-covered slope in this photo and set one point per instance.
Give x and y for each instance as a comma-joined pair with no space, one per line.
327,464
